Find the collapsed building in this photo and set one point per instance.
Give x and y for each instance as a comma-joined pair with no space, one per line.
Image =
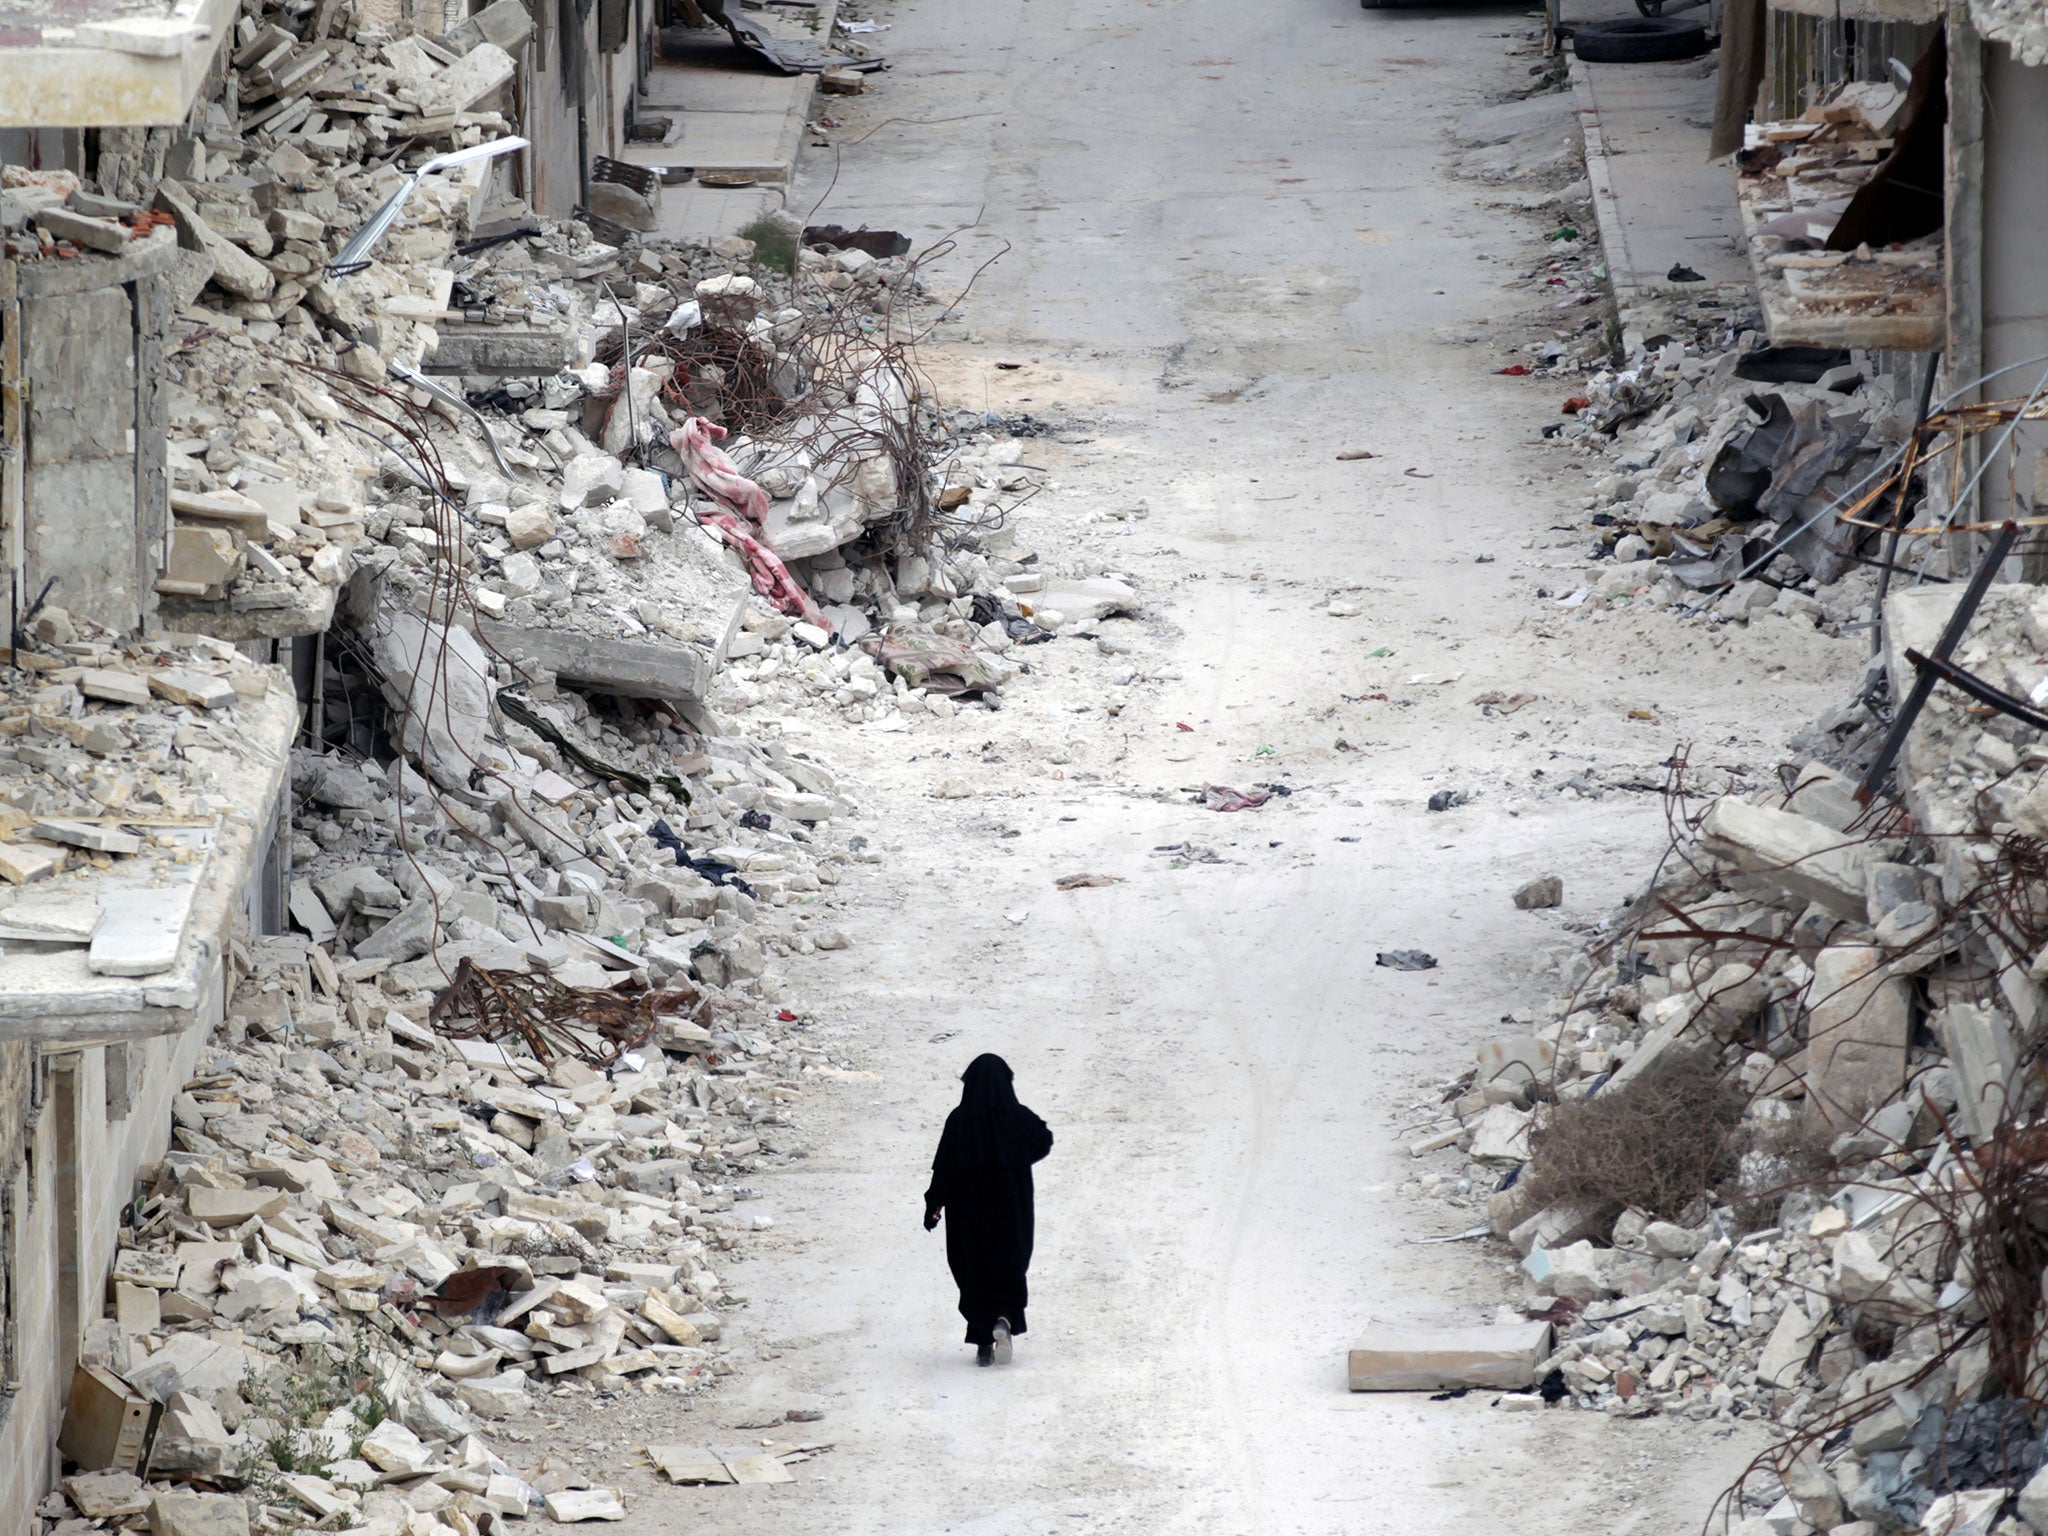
407,591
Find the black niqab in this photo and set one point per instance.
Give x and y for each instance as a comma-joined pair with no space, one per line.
981,1179
990,1129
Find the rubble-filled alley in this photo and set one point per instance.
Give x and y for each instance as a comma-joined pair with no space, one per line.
604,597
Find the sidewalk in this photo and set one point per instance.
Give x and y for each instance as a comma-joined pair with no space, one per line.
1659,202
739,120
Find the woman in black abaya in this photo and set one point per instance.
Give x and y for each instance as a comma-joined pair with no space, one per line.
981,1182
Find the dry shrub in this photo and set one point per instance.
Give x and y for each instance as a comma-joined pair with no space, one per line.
1779,1157
1655,1145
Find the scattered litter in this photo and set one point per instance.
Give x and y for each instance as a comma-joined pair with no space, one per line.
1505,703
1220,797
1083,882
1405,960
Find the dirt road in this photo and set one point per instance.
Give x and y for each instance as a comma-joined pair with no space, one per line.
1233,253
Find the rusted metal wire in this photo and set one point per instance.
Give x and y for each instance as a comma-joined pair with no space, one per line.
597,1025
1938,434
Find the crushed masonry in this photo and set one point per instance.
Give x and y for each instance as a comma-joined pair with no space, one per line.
1860,985
582,520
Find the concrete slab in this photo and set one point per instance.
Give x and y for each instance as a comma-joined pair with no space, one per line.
1659,201
735,116
763,142
1396,1359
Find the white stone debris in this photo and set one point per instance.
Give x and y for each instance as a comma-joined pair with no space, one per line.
1860,983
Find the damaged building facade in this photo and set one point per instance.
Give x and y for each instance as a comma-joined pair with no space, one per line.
372,560
115,930
1892,188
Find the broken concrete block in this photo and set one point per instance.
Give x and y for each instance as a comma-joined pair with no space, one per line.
1858,1026
507,23
1559,1226
310,913
1799,856
319,1495
232,1207
507,1495
107,1495
1668,1240
729,302
1981,1055
201,560
678,1327
139,935
1791,1344
1420,1359
529,527
1518,1064
468,80
1087,599
569,1505
22,862
1857,1272
591,479
201,690
114,687
1578,1271
504,351
626,205
1537,894
234,269
56,918
2033,1501
1966,1512
198,1514
637,669
405,937
88,234
394,1448
441,677
495,1397
1502,1135
88,835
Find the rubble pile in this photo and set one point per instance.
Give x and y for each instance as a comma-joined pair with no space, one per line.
1721,460
1859,993
105,736
373,1249
473,1136
378,363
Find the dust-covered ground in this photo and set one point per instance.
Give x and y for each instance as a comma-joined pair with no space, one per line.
1230,250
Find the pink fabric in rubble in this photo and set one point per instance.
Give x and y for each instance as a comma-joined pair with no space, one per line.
739,508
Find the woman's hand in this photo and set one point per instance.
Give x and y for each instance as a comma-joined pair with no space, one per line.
931,1217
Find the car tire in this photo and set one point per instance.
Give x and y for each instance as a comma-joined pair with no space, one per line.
1639,40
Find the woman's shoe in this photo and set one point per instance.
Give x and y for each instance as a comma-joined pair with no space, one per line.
1002,1344
985,1354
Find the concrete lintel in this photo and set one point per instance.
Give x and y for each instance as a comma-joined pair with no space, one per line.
66,84
637,669
59,1035
59,279
197,616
